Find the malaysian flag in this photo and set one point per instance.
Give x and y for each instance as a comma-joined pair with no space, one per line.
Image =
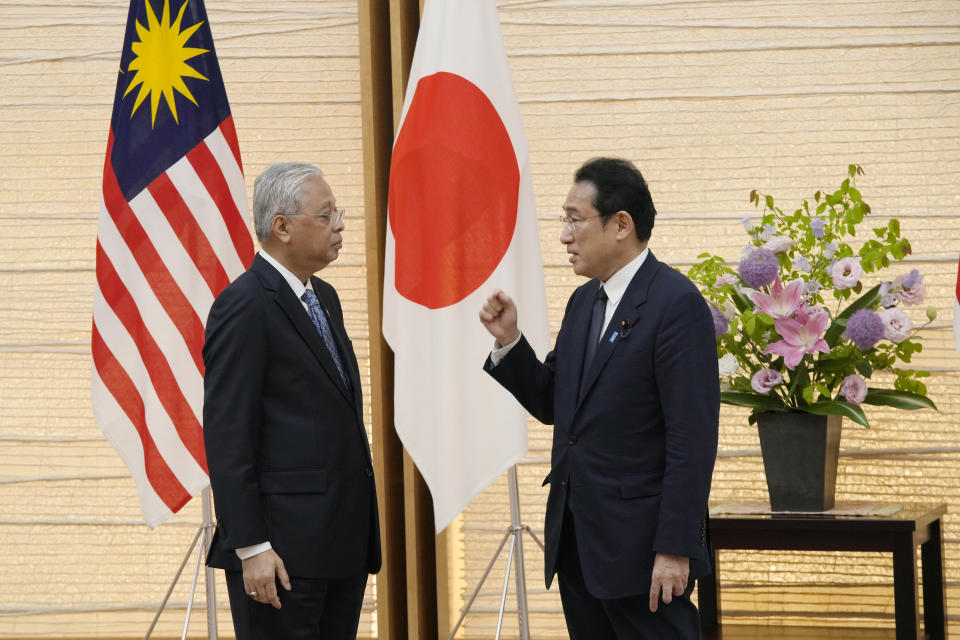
172,234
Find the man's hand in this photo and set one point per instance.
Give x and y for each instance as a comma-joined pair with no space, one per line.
260,574
670,575
499,316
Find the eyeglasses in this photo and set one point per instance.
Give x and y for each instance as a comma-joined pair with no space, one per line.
333,218
573,222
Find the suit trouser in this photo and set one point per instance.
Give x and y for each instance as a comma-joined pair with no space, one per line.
315,609
630,618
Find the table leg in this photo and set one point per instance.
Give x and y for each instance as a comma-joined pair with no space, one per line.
905,588
934,607
708,596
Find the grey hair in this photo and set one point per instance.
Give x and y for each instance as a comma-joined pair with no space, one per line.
277,191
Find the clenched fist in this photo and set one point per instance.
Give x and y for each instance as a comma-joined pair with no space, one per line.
499,316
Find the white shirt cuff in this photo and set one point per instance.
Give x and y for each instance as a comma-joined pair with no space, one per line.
499,353
248,552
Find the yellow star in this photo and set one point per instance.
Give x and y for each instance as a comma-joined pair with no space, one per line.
161,61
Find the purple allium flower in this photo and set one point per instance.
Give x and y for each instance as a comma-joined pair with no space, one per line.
767,232
829,249
759,268
720,323
817,225
846,273
864,329
765,379
910,289
853,388
896,324
800,263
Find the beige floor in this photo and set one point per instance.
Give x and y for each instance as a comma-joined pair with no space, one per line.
766,632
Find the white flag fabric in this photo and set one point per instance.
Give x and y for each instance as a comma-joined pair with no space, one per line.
461,224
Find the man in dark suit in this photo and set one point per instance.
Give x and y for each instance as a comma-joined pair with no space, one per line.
287,450
632,390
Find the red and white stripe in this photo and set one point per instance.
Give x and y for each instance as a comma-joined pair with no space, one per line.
162,258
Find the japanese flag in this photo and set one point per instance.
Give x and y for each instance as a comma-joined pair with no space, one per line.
461,224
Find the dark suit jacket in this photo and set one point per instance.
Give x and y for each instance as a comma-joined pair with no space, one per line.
286,446
633,450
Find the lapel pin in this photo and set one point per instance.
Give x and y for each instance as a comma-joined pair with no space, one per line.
613,337
624,329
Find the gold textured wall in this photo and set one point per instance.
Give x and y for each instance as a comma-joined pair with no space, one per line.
710,98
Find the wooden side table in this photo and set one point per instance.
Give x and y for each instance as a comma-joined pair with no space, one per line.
900,533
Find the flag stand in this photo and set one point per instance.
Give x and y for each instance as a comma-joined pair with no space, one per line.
515,535
206,531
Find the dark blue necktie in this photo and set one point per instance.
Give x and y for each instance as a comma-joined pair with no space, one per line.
596,327
319,319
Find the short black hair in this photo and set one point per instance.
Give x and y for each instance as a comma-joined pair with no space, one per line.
620,187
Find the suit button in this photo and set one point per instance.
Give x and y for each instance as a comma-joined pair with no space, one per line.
572,440
368,471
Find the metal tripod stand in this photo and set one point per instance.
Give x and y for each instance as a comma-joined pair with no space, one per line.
206,533
515,535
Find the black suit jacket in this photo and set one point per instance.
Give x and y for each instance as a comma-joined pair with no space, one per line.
633,450
286,446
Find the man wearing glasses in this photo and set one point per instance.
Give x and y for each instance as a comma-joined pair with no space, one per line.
290,467
632,390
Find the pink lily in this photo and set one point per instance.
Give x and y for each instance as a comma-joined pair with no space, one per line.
780,302
801,335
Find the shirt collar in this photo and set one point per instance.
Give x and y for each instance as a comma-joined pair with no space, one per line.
294,282
616,285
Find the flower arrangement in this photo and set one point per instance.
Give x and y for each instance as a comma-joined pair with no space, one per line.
795,329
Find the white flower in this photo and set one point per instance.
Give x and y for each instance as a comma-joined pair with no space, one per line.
800,263
728,365
896,324
846,273
778,244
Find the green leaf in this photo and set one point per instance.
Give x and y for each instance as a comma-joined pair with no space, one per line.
808,394
743,303
769,202
754,401
839,408
832,365
867,301
864,368
899,399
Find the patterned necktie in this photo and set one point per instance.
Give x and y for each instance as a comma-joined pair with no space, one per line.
319,319
596,326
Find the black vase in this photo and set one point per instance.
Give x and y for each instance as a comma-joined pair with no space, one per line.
800,452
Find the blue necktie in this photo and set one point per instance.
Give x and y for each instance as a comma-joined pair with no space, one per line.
595,331
319,319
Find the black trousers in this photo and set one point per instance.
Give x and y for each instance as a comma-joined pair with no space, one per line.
316,609
590,618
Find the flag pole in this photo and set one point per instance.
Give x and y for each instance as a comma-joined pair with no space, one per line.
208,526
514,533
